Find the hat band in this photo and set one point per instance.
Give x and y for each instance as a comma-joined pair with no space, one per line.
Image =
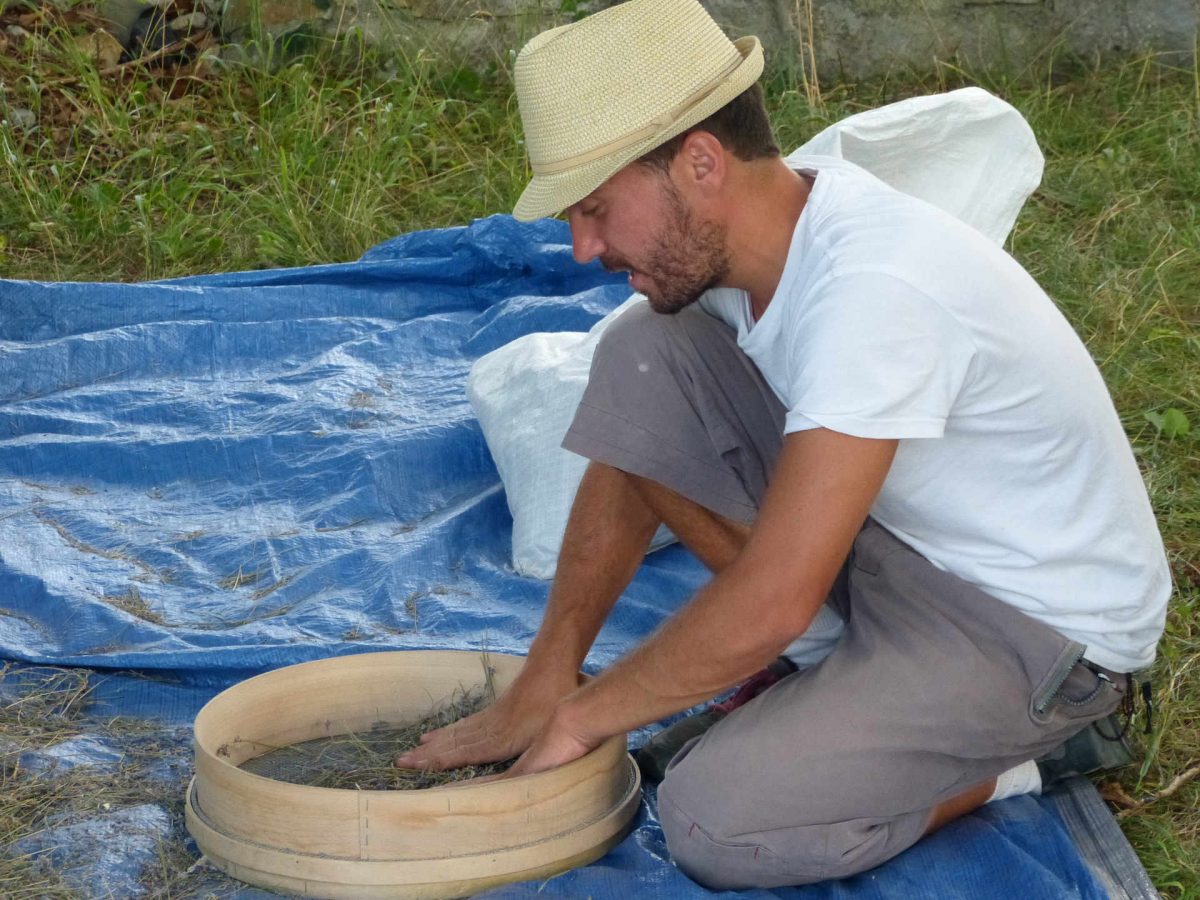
657,124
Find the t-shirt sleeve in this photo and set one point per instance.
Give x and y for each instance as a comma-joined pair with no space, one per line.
873,356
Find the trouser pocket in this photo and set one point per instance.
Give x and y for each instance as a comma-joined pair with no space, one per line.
1085,692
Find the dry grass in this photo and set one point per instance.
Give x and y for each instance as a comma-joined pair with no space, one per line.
240,578
41,708
363,760
150,173
131,602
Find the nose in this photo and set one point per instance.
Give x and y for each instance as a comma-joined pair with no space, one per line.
586,243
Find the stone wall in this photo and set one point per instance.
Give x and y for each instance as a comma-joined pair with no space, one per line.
850,39
872,37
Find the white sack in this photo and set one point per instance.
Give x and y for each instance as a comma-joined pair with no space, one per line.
968,152
525,394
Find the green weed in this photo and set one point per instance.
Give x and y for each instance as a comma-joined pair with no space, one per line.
206,167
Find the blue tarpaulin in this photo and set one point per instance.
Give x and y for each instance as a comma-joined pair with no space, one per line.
206,478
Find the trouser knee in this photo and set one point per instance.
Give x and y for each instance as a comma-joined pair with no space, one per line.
721,854
705,851
764,825
674,399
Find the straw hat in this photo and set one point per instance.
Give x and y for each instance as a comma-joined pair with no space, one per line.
598,93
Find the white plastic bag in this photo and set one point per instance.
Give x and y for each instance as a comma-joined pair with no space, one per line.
966,151
525,394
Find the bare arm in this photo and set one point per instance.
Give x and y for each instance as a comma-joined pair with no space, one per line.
823,488
607,534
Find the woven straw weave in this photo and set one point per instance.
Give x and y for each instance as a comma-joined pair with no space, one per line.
598,93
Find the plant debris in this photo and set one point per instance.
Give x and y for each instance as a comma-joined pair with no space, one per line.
363,760
134,769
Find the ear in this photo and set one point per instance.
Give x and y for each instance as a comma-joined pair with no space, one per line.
701,165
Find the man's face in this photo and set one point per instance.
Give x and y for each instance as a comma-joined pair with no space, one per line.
637,221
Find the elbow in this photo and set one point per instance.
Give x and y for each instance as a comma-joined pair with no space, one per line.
782,610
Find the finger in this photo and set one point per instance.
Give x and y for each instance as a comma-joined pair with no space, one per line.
440,741
442,733
420,754
451,738
427,756
463,731
456,752
451,759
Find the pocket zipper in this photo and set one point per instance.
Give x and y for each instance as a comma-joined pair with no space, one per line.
1061,672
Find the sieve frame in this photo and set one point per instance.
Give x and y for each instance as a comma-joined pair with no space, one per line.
444,841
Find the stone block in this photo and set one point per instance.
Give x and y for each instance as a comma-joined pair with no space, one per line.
849,38
275,16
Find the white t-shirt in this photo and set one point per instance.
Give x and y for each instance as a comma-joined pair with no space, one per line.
894,320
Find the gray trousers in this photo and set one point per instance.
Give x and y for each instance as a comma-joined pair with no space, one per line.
934,687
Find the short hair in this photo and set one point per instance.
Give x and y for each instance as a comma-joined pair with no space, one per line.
741,125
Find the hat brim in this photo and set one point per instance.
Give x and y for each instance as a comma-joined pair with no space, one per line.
548,195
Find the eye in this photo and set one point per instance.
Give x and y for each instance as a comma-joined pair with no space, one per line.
587,209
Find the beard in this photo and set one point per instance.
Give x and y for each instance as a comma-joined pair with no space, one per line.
687,257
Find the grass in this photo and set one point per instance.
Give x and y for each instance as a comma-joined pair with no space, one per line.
1113,234
151,173
132,602
224,166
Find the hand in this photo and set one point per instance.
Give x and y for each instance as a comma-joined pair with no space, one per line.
557,745
501,731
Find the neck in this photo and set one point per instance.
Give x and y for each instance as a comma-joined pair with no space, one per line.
770,199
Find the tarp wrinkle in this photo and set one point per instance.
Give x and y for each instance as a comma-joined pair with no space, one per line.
214,476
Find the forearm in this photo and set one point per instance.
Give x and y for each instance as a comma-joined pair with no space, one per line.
822,489
730,630
607,535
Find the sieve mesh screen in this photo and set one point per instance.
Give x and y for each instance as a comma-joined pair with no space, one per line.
363,760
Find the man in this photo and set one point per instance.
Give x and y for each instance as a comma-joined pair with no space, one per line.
818,351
